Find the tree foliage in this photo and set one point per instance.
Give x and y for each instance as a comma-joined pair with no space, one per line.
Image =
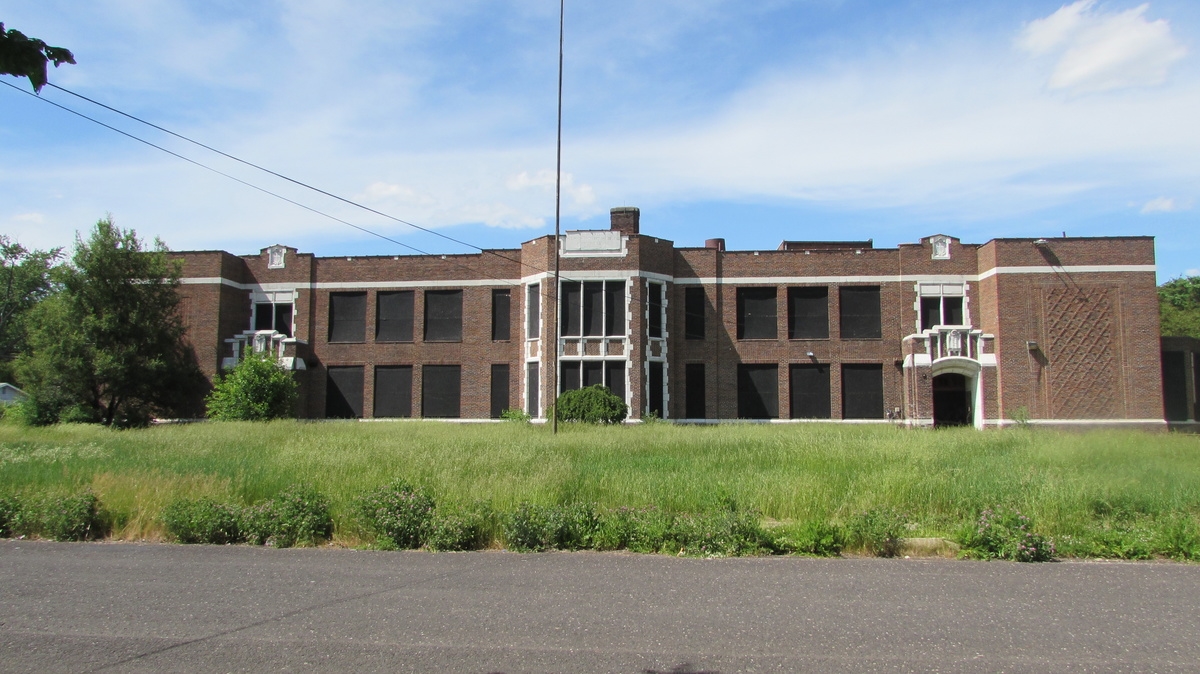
592,404
256,390
1179,307
25,280
27,57
109,346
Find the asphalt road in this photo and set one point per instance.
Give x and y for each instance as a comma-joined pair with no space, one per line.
121,607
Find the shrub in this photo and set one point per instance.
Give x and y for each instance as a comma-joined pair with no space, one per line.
592,404
203,521
1178,538
257,389
531,528
398,512
723,533
298,515
10,513
460,530
817,538
634,529
62,517
1005,534
516,415
879,531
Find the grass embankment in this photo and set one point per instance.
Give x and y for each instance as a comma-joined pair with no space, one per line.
1076,486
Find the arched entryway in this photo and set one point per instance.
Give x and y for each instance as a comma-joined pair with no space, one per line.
952,400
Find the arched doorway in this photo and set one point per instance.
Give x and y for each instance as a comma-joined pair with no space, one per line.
952,400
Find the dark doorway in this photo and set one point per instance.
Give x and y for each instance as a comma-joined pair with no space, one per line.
951,400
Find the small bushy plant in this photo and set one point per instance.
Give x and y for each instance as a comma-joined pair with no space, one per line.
458,530
64,517
298,515
816,538
398,512
10,513
1178,538
203,520
257,389
721,533
592,404
878,531
634,529
516,415
531,528
1002,533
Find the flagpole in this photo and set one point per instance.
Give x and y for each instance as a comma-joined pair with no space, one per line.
557,211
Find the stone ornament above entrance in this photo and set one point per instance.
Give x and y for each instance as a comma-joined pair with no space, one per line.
941,247
275,257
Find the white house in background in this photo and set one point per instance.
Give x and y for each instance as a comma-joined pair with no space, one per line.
10,394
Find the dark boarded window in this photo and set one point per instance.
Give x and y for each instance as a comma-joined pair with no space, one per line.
614,377
264,316
862,391
808,312
501,306
441,389
499,390
756,313
533,311
532,386
394,316
931,312
593,373
758,391
443,315
277,317
654,398
810,392
572,315
614,308
860,312
344,393
654,309
593,308
693,376
693,313
952,311
347,317
568,375
1174,369
393,391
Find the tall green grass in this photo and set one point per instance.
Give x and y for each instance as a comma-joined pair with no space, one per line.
1066,481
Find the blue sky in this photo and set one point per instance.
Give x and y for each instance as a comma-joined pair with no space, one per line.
757,122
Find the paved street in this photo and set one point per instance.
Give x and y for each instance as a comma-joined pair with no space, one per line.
123,607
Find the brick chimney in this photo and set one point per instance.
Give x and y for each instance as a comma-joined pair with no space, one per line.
718,244
625,219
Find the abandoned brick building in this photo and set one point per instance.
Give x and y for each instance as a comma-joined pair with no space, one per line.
1061,330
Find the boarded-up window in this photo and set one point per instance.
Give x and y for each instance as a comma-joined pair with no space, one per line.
501,305
931,312
347,317
572,314
693,376
277,317
862,391
593,308
441,391
532,386
1174,376
654,392
394,316
756,313
593,373
808,312
758,391
533,311
810,391
443,315
344,393
693,313
568,375
654,310
393,391
614,377
499,389
952,311
860,312
614,308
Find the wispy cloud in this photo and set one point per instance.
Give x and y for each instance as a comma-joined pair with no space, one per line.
1165,205
1098,50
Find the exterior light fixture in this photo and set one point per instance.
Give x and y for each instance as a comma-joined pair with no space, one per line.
1031,345
1041,243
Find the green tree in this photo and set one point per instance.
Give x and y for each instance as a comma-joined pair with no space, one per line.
27,57
109,346
1179,307
24,281
256,390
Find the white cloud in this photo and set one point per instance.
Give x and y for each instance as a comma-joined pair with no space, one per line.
1192,272
580,195
29,218
1099,50
1165,205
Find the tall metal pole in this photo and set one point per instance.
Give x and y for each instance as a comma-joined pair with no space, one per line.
557,210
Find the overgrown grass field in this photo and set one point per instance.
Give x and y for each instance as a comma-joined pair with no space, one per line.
1076,486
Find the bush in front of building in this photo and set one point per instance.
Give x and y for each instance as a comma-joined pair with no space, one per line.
1002,533
203,520
592,405
256,390
398,513
56,516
